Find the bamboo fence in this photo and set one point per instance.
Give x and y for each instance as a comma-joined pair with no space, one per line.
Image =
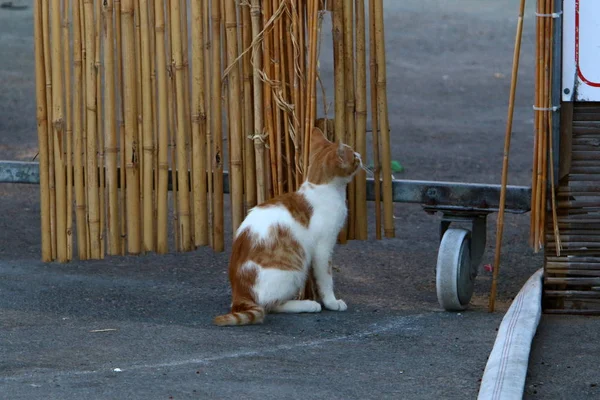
142,106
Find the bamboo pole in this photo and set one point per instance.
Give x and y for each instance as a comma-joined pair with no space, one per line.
140,118
209,141
289,115
91,139
42,130
361,121
349,133
235,113
68,126
511,104
187,111
100,127
250,184
132,151
50,134
276,87
259,129
183,205
162,244
84,58
217,131
147,128
121,126
296,95
311,80
375,118
111,150
267,98
199,127
58,126
388,205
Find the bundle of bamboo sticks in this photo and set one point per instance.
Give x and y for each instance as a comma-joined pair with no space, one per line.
142,103
543,156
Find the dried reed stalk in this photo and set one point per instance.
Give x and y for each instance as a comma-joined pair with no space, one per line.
42,130
68,125
199,127
58,125
187,108
217,131
121,125
311,98
162,194
114,240
508,134
50,135
361,121
132,150
78,132
235,114
209,141
100,126
259,129
388,205
250,184
276,87
182,160
350,135
287,66
267,97
94,210
147,128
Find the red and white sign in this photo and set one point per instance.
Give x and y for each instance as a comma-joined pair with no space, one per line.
581,50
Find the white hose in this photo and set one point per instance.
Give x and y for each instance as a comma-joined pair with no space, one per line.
506,369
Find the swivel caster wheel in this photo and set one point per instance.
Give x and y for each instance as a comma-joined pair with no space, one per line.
455,273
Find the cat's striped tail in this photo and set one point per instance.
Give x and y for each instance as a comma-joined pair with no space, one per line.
244,314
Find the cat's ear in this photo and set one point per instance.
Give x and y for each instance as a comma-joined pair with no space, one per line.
317,138
340,149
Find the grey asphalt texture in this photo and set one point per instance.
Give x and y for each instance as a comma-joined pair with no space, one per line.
140,327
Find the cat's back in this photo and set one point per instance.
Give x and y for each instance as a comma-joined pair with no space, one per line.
290,210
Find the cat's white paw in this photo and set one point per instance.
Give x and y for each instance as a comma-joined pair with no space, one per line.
313,307
336,305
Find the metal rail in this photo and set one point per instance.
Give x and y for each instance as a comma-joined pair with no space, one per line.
432,195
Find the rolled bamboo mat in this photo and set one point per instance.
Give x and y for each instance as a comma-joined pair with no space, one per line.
135,95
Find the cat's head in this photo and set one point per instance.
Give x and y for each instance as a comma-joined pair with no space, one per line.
331,162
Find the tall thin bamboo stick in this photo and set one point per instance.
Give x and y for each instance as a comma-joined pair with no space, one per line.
388,205
111,150
42,130
100,127
148,127
121,126
235,113
361,121
311,70
91,145
508,133
217,131
162,244
277,83
249,156
268,98
375,117
182,159
84,58
295,65
209,141
58,126
259,129
132,150
199,127
350,106
287,75
68,125
187,109
50,135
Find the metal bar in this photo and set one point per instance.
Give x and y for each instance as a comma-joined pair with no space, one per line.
433,195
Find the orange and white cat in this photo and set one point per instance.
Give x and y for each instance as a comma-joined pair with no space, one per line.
281,240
